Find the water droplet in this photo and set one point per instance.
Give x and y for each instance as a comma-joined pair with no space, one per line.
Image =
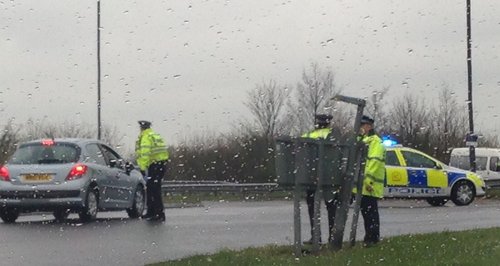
125,12
410,51
177,76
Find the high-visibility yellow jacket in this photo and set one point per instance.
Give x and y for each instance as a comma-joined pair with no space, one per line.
149,148
374,173
321,133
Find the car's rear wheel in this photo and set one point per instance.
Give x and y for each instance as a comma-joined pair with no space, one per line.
138,203
9,215
463,193
437,201
61,215
89,211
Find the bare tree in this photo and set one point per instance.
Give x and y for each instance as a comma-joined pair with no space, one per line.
45,129
449,123
410,121
8,141
313,96
266,103
377,108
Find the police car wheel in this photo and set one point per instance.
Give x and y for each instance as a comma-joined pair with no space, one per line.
437,201
463,193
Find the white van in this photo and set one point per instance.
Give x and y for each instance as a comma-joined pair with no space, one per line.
487,163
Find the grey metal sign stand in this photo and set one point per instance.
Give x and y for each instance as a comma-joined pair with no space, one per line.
325,165
353,173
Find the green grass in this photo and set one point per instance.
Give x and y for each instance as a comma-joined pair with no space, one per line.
474,247
493,193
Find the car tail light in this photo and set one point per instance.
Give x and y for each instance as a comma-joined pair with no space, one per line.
77,171
47,142
4,174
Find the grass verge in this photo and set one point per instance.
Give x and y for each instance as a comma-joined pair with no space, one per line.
474,247
493,193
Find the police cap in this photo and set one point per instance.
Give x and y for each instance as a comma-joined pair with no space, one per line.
323,118
144,123
367,120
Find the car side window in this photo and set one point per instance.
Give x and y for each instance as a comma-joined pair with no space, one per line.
95,154
494,164
417,160
391,159
112,158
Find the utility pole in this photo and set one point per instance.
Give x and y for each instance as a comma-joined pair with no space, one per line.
98,69
472,151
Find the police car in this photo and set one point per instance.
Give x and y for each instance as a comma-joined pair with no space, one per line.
414,174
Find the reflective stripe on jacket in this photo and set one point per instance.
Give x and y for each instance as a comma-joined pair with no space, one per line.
374,173
321,133
149,148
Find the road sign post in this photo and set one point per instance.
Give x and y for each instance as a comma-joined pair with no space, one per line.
330,166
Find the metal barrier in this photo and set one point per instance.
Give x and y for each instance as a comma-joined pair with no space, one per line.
217,186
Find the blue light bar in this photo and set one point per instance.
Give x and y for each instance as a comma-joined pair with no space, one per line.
388,142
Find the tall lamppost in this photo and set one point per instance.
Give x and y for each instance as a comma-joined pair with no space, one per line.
98,69
471,139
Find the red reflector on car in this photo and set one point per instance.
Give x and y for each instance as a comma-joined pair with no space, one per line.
4,174
77,171
47,142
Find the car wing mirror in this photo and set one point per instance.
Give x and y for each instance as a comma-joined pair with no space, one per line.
129,167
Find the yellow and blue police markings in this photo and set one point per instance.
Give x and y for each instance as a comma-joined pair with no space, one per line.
418,182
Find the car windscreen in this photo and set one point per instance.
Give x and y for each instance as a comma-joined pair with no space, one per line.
37,153
463,162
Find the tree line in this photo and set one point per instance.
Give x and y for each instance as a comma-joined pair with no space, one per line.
433,124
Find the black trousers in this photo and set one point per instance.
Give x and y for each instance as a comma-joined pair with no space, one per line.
369,210
331,206
154,200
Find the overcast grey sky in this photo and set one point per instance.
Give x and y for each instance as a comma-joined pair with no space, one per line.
187,65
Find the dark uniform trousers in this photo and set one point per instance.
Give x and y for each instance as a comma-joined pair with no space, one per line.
154,200
369,210
331,206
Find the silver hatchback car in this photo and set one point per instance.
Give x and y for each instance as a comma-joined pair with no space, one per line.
69,175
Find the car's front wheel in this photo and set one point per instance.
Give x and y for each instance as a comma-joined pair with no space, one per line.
9,216
437,201
463,193
89,211
138,203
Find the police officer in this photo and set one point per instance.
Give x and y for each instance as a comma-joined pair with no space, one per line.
373,181
321,131
152,156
